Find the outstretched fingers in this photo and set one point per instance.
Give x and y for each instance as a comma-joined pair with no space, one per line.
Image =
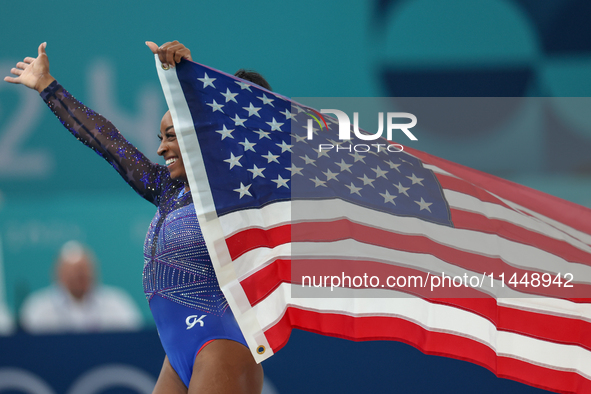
11,79
41,49
18,70
32,72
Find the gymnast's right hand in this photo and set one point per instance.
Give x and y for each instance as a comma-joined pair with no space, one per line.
33,72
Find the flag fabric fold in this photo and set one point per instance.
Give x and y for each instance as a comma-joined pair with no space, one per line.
494,273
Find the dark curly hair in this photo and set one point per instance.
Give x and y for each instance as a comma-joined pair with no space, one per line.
253,77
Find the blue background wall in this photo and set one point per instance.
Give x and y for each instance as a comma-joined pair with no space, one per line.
52,189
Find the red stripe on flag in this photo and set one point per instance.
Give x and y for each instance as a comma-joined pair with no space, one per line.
344,229
429,342
534,324
254,238
264,281
477,222
552,207
545,378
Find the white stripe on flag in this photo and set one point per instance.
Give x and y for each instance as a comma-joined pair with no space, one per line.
491,245
206,214
469,203
436,318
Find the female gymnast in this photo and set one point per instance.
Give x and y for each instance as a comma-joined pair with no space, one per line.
205,350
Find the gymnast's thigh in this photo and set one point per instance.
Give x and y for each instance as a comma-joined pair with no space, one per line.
169,381
226,366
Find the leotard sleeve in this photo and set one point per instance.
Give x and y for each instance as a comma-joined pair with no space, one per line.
96,132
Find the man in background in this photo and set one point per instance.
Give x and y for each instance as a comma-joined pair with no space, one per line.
76,303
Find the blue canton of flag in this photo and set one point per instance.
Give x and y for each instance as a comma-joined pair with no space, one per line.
247,137
366,174
258,152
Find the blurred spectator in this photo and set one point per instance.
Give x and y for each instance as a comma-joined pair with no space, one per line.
76,303
7,325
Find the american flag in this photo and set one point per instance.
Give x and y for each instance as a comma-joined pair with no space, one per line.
274,207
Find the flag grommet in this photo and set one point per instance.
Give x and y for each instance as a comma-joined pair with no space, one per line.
165,66
261,349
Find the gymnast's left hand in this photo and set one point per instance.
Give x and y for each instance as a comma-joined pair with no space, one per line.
33,72
170,53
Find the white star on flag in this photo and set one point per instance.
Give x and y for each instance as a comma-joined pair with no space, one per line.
330,175
243,86
388,198
288,115
262,134
225,132
353,188
284,147
252,110
266,100
379,172
294,170
357,157
256,171
271,157
280,182
275,126
243,190
207,81
415,180
215,106
424,205
248,145
318,182
344,166
402,189
238,121
230,96
366,180
234,160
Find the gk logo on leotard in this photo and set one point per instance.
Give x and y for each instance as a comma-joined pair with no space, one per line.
194,319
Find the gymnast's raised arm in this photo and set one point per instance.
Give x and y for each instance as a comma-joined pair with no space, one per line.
89,127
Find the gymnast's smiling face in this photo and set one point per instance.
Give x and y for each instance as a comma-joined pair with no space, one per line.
169,149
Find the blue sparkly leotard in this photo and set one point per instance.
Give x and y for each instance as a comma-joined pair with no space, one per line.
179,280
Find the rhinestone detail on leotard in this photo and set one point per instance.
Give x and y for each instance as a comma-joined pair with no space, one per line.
176,263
